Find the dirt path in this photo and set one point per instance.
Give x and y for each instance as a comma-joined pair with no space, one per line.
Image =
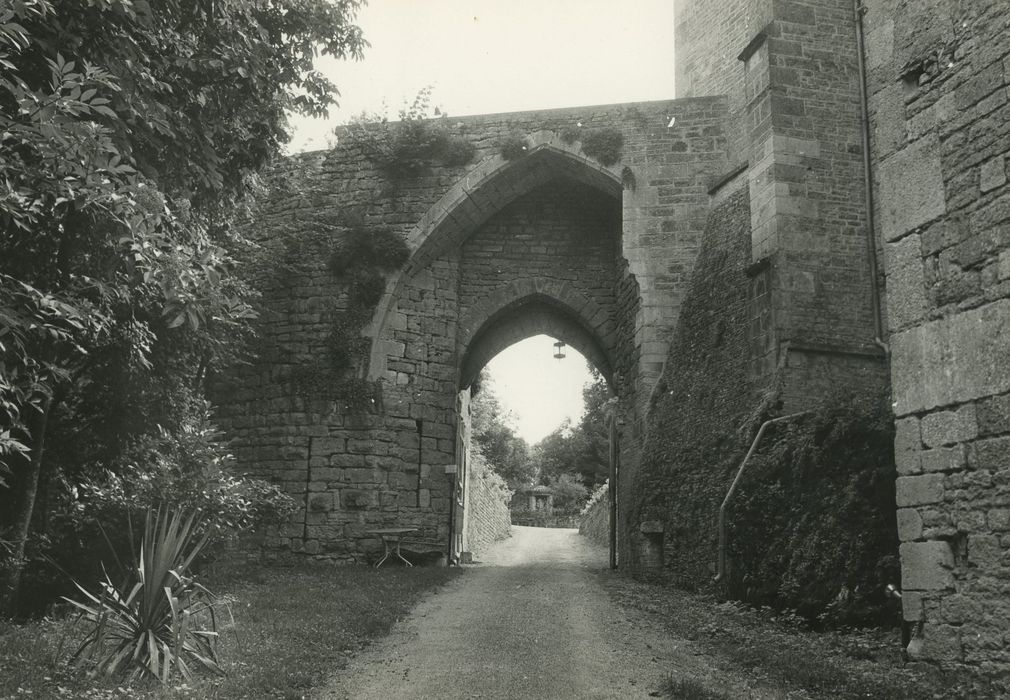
532,621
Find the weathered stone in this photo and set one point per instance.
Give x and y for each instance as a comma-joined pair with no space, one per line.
943,459
994,415
919,490
911,185
909,524
993,173
907,301
907,445
991,454
999,519
985,552
949,427
952,361
926,566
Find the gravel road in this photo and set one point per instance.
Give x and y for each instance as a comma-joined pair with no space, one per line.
532,620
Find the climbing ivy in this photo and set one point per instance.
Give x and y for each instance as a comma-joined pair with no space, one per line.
359,258
813,527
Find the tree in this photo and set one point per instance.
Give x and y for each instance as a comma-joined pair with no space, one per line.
131,134
581,450
494,433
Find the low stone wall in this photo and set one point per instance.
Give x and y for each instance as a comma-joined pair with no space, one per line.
545,520
488,502
595,522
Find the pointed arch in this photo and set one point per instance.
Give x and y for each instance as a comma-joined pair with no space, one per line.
526,308
486,189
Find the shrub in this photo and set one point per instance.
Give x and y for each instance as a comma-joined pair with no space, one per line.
409,147
570,135
159,621
513,146
604,145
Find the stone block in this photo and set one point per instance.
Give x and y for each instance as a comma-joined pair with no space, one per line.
998,519
911,187
918,490
992,454
993,415
951,360
926,566
909,524
355,498
907,445
880,44
943,459
911,606
937,643
985,552
906,298
993,173
950,427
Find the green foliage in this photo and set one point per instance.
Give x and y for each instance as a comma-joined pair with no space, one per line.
570,494
159,621
360,248
359,258
570,134
813,526
513,146
187,469
131,134
581,451
604,145
408,147
494,434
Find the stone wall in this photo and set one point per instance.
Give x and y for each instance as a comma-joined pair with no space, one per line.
552,241
595,522
939,77
487,502
696,429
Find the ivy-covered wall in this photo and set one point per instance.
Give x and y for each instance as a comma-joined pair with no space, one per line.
700,410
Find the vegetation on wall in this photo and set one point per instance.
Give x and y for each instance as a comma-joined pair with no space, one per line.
605,145
359,258
813,526
694,439
513,146
410,146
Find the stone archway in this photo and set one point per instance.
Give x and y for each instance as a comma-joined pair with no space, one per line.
486,189
550,241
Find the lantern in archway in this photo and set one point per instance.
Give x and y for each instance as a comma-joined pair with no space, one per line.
559,350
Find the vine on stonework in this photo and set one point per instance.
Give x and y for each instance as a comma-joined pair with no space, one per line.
410,146
359,258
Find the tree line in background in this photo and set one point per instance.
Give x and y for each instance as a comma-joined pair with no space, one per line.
131,136
572,460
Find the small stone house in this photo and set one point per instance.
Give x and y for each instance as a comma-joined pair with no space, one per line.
532,499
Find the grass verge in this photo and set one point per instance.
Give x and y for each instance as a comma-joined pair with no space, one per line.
778,651
283,632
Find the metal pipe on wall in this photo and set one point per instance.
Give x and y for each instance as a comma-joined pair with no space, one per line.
721,570
871,226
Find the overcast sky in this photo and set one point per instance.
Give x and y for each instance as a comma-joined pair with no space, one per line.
487,56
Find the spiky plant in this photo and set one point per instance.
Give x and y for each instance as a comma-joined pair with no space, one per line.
160,621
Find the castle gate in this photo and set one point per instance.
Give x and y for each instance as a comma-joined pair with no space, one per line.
550,241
